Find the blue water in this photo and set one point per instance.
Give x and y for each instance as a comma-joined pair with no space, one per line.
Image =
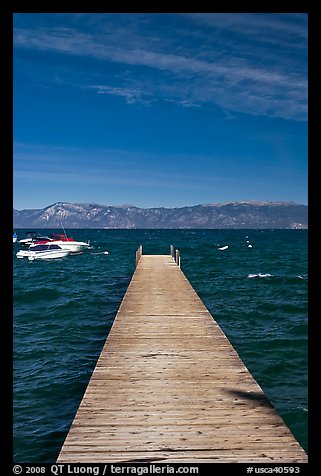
64,309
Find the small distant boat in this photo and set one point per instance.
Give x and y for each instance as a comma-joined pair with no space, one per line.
15,237
43,251
33,237
223,248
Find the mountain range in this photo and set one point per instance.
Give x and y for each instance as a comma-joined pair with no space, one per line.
247,214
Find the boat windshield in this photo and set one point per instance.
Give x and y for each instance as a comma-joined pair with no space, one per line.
44,247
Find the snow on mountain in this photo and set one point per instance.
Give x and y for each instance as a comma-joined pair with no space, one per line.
246,214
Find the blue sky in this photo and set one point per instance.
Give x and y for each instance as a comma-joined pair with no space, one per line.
159,109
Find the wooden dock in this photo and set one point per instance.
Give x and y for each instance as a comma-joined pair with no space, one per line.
169,387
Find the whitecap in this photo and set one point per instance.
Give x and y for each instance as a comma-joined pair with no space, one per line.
259,275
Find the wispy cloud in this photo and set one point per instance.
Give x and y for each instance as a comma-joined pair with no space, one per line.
131,95
75,43
240,81
119,166
101,178
287,28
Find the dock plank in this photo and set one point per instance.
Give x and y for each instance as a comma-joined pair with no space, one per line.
169,387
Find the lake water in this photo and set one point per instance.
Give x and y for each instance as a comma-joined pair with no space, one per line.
64,309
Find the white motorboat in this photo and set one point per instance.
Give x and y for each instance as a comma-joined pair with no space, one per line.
67,243
43,251
15,237
33,237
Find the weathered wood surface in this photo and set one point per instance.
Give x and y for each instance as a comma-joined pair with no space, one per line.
169,387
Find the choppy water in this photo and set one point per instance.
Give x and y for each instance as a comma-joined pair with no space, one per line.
63,310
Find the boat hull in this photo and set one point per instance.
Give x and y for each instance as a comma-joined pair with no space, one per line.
47,254
72,246
32,255
44,251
